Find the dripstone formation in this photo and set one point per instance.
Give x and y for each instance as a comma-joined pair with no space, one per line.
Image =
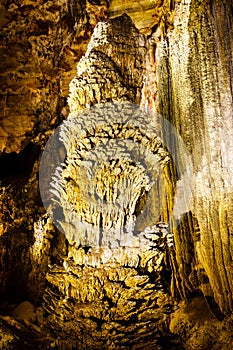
102,268
112,289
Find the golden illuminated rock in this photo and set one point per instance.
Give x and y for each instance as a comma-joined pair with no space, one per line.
146,15
39,42
176,59
110,287
190,64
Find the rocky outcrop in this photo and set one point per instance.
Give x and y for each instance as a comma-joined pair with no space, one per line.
41,43
114,159
113,66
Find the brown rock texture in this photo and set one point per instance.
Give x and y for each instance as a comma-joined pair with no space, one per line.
113,66
148,16
41,43
194,74
198,328
112,291
171,57
109,298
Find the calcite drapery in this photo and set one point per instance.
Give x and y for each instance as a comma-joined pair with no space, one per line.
194,74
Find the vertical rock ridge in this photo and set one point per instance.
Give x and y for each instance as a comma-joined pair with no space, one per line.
194,71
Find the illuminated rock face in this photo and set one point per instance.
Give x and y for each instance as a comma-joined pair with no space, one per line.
111,298
114,282
146,15
114,158
113,66
188,77
194,74
40,41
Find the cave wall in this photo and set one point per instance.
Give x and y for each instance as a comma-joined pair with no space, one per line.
188,80
41,43
194,76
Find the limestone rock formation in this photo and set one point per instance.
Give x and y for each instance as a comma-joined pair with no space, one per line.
41,43
176,60
110,298
148,16
113,159
113,289
34,88
194,74
113,66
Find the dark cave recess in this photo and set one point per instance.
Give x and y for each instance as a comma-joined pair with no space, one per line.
16,167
